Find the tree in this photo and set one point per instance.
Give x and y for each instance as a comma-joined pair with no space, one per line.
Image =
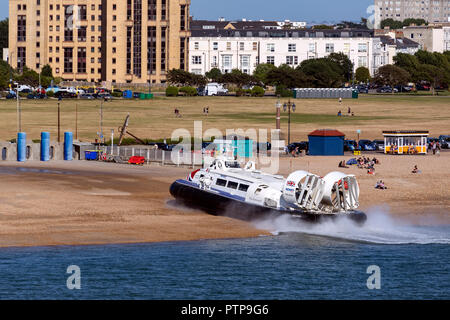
417,22
287,77
4,27
325,73
238,78
392,75
391,23
183,78
262,70
214,74
434,75
323,26
362,74
344,62
47,71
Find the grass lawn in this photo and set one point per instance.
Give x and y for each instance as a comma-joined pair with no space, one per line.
154,119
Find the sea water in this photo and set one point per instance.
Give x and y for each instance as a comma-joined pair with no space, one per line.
300,261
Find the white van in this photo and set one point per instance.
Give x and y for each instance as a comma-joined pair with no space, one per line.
214,89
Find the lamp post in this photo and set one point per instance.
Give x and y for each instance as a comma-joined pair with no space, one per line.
19,111
287,107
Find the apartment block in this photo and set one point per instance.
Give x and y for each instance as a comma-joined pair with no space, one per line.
116,41
245,49
430,10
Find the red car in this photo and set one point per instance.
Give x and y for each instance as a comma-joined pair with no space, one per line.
136,160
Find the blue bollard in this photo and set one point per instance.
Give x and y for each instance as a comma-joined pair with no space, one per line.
21,147
45,146
68,146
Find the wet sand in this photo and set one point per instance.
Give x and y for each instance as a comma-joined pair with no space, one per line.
80,203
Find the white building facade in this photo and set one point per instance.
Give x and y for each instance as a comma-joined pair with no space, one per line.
244,51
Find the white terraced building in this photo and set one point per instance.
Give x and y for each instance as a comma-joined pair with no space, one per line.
245,49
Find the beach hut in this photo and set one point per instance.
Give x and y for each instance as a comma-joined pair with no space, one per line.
326,142
405,142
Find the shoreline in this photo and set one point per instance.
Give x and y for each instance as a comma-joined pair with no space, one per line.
92,203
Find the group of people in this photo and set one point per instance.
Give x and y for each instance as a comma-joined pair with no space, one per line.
349,113
367,163
434,146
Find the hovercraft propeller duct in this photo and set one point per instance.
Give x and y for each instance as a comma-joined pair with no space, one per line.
336,192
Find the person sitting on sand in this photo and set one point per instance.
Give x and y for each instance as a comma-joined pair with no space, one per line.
380,185
416,170
342,164
339,113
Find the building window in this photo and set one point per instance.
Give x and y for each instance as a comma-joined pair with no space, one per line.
292,47
81,60
362,47
163,49
183,17
137,38
329,47
271,60
255,46
271,47
292,60
151,10
182,53
196,59
215,46
227,63
241,46
163,10
21,28
196,45
151,47
21,57
82,34
68,27
68,60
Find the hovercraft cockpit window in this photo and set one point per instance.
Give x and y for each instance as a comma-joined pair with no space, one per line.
232,164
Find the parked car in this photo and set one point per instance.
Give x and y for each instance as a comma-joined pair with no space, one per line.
350,145
445,141
105,96
86,96
423,87
404,88
386,89
303,145
65,94
379,144
367,145
24,89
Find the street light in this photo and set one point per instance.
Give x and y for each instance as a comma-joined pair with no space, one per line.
19,111
287,107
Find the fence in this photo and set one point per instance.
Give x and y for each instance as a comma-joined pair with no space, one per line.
152,155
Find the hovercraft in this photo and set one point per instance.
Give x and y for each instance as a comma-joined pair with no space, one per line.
224,188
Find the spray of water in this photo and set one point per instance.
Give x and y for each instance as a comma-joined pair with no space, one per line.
380,228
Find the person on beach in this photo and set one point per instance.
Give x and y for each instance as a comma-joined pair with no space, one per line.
342,164
339,113
416,170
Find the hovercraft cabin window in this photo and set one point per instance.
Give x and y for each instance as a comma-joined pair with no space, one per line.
243,187
221,182
232,185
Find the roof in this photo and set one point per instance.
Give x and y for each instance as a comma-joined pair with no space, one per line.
326,133
399,42
404,132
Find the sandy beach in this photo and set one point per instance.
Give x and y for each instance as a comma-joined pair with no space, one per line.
80,203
